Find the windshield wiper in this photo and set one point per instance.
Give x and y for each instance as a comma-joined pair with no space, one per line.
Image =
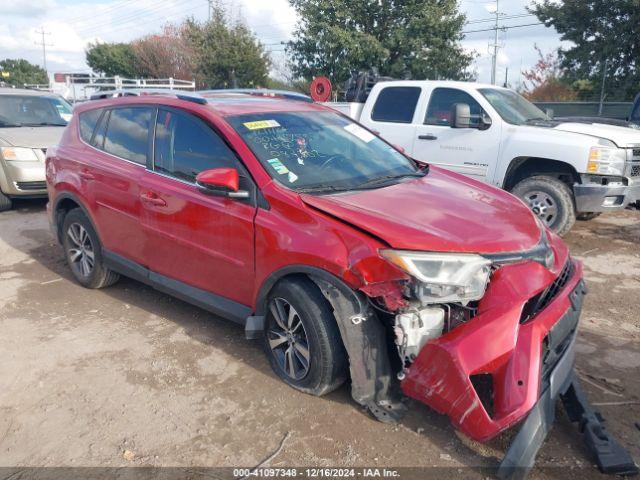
322,188
45,124
382,180
9,124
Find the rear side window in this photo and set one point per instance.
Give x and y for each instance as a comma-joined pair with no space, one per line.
186,146
396,104
442,102
88,121
128,133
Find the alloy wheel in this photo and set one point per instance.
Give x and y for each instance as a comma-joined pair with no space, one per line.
543,205
288,340
80,252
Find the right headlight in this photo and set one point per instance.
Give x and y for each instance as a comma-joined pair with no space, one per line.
18,154
606,159
444,277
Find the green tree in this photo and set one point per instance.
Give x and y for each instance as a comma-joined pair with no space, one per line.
416,39
112,59
600,32
226,55
17,72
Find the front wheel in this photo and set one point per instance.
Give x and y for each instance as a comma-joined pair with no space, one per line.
5,202
550,199
302,339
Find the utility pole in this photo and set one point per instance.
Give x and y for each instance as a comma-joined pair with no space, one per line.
210,2
44,46
494,59
604,78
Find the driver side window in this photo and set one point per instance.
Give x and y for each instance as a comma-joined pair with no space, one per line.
441,103
186,146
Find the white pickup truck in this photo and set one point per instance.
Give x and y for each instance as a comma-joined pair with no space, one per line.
561,170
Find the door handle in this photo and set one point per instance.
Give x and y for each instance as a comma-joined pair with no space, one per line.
87,175
153,199
428,136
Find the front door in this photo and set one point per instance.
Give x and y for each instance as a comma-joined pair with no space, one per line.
469,151
200,240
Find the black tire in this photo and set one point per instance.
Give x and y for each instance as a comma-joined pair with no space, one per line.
550,199
80,247
327,364
586,216
5,203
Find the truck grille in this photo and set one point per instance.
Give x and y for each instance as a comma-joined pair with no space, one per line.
28,186
634,171
540,301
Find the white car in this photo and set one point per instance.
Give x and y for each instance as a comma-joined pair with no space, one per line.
561,170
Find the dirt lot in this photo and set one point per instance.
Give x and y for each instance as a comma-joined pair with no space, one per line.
128,376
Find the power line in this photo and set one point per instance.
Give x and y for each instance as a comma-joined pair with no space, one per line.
44,46
504,27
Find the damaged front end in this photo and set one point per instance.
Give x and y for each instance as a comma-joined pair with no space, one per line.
488,348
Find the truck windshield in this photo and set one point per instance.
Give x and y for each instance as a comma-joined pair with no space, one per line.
33,110
321,151
513,108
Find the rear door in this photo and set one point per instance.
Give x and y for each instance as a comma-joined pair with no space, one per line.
392,115
469,151
203,241
111,174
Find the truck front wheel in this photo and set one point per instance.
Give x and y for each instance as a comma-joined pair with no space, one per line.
550,199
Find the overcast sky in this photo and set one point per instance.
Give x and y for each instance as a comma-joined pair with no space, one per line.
71,24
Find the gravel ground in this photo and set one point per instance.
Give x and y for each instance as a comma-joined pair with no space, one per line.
127,376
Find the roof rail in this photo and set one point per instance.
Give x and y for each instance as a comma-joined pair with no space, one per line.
136,92
260,92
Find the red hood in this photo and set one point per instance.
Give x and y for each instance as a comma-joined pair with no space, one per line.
443,211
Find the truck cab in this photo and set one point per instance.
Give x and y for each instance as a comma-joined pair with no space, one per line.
562,170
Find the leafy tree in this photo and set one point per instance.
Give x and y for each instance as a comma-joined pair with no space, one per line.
21,71
112,59
543,82
226,55
600,31
164,55
401,38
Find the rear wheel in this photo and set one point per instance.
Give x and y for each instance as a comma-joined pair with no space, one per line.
5,202
302,339
84,252
550,199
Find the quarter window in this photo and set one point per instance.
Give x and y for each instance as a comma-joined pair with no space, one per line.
186,146
128,133
88,121
442,102
396,104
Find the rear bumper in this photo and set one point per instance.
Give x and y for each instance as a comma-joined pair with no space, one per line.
521,359
593,197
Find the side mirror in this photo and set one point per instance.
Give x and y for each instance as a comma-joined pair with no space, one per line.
223,182
485,121
461,115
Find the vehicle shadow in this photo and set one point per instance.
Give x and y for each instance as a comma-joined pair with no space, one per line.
208,329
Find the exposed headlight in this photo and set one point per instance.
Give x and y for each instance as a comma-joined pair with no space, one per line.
444,277
18,154
606,159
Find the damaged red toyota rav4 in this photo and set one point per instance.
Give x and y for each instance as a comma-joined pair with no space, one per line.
351,260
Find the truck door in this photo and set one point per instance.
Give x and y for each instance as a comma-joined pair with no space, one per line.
392,115
469,151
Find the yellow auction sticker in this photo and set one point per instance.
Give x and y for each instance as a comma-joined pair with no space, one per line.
260,124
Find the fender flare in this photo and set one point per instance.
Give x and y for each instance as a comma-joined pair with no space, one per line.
54,212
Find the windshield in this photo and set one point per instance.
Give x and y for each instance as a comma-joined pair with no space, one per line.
321,151
32,110
513,108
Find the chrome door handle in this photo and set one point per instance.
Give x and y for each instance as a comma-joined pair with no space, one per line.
428,136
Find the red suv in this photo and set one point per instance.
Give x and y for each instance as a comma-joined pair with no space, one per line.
350,259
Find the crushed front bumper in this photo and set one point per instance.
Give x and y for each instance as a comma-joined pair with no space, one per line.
594,197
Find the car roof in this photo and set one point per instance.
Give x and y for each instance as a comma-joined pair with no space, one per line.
26,91
222,105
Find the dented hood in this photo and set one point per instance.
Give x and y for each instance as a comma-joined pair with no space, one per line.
442,211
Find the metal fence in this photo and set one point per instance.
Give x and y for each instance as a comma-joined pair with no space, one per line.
619,110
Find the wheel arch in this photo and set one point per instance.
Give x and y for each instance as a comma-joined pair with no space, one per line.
524,167
63,204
